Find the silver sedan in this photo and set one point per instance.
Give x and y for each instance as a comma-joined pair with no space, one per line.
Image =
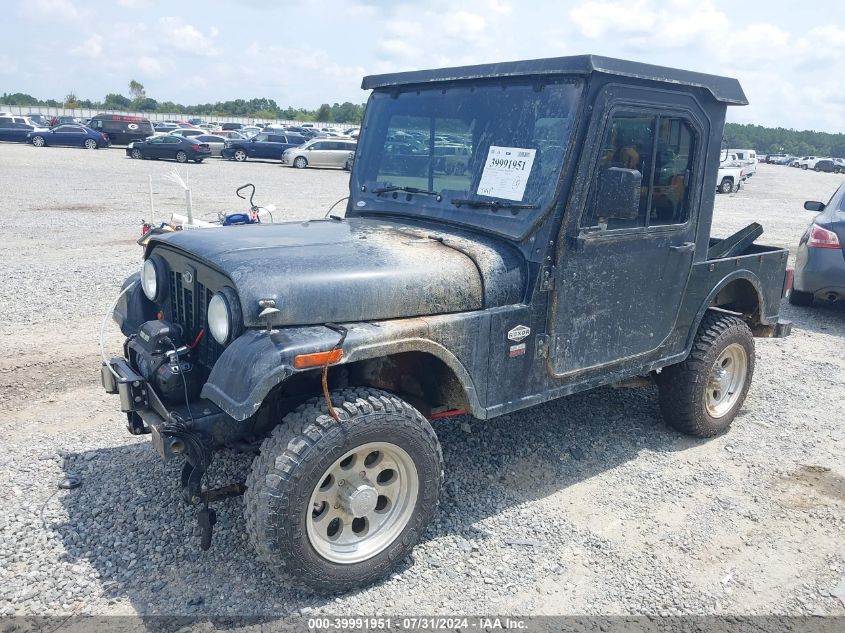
213,141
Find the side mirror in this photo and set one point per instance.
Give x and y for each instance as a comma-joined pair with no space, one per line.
618,195
812,205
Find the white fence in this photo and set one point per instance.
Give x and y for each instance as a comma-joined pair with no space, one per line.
86,113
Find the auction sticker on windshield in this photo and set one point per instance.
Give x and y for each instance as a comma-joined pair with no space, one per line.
506,172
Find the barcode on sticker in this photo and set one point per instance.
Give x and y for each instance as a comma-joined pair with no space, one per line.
523,154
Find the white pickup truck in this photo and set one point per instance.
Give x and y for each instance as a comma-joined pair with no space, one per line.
729,179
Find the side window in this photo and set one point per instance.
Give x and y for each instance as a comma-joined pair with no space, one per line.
316,146
661,149
673,167
629,144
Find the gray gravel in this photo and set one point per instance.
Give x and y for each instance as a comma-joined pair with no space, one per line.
587,505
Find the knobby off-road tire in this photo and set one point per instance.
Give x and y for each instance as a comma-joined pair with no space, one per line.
702,395
291,471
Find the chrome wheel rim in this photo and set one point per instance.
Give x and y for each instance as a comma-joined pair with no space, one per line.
91,144
362,503
136,153
299,162
239,155
38,141
727,379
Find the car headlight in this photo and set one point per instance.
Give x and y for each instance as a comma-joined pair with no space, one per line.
153,278
224,316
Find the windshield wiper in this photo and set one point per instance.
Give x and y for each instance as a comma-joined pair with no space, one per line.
405,189
493,204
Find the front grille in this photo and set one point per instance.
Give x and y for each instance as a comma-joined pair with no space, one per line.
191,315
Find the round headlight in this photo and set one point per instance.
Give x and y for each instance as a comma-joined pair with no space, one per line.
153,277
224,316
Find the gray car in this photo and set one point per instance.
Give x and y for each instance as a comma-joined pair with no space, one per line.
320,152
215,142
819,262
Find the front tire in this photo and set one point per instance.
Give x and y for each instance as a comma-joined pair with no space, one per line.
702,395
300,162
181,157
337,505
38,141
136,154
240,155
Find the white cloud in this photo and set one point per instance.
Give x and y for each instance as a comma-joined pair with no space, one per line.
149,66
55,9
135,4
91,48
186,37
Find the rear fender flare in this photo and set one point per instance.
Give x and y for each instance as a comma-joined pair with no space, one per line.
724,283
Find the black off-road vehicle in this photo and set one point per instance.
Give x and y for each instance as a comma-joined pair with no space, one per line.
572,250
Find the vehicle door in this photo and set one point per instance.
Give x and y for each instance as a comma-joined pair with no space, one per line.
622,267
318,153
68,135
155,147
338,154
8,130
170,145
256,147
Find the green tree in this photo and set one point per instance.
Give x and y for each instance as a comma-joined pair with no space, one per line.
146,104
136,90
19,99
70,100
324,113
116,102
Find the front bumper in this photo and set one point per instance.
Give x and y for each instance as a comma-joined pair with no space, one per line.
147,414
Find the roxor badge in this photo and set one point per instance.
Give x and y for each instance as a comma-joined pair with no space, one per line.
519,333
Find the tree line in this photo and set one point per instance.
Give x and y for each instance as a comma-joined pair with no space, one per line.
260,108
779,140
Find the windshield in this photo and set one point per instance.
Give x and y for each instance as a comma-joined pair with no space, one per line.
468,144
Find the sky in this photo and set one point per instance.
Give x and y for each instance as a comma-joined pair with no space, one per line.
788,56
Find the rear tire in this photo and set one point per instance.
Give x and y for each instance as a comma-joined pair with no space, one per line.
181,157
293,499
702,395
727,185
301,162
799,298
90,143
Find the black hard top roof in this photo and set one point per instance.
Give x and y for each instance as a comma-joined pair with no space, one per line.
725,89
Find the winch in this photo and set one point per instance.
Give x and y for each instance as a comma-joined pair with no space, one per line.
161,356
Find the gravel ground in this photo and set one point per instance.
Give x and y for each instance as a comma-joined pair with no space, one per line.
586,505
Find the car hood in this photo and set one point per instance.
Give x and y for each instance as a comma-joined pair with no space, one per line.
360,269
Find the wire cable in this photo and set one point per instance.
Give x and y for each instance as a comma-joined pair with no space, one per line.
334,205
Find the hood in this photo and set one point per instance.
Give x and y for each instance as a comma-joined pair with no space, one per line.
361,269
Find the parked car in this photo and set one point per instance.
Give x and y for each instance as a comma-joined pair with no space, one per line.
264,145
69,136
214,142
39,120
122,129
828,165
14,118
12,131
230,135
320,153
231,126
729,179
178,148
819,263
188,132
249,131
796,161
808,162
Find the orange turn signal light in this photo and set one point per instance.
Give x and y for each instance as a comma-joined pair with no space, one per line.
318,359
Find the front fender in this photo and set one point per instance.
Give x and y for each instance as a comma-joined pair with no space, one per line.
256,362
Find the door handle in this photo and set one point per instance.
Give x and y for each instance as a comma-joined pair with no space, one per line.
686,247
